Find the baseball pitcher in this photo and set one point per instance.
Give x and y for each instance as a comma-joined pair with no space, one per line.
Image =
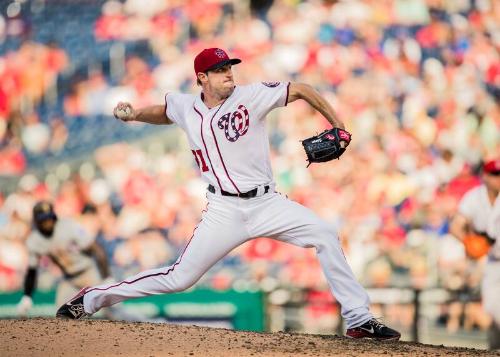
226,130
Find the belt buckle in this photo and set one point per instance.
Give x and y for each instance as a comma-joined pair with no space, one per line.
249,194
246,195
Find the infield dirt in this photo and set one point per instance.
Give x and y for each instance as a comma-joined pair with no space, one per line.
53,337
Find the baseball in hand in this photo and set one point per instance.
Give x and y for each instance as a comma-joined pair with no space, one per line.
123,112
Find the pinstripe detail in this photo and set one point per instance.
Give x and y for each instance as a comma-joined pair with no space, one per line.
203,139
170,269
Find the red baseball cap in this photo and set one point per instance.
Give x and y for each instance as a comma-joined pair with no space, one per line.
492,166
212,58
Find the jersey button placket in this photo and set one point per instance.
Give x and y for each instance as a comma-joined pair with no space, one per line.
213,149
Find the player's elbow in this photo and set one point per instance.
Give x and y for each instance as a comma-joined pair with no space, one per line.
458,226
299,91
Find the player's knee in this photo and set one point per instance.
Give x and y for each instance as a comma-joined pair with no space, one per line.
326,231
184,285
326,235
184,281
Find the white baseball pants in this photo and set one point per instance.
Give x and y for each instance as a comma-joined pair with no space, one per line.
229,222
490,290
69,287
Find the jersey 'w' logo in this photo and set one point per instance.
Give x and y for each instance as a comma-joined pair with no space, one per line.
235,124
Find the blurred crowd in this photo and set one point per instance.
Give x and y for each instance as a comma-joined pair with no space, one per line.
26,75
416,81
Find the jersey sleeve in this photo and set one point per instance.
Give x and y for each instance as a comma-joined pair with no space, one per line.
269,95
33,255
175,104
467,205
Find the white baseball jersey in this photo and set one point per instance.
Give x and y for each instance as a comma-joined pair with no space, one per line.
485,218
64,247
231,147
230,141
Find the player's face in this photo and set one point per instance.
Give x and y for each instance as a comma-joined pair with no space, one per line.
221,81
47,225
492,180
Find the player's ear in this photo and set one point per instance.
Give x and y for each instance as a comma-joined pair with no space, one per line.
201,78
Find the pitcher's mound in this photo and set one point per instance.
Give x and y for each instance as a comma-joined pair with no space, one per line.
54,337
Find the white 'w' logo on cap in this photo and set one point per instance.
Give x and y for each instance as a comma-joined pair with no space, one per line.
220,53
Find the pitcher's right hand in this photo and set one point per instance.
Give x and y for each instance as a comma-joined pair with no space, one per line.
124,111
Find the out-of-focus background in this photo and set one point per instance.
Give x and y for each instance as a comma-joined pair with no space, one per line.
416,81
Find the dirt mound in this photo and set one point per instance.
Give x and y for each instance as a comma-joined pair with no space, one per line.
51,337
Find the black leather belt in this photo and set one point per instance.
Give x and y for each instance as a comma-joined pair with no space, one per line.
249,194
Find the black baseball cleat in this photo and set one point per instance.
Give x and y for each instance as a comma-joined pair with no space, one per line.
375,330
73,309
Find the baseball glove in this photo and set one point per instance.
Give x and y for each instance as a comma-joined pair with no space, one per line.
326,146
476,245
